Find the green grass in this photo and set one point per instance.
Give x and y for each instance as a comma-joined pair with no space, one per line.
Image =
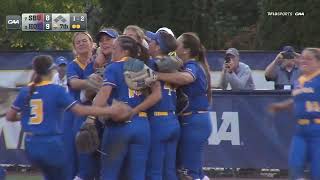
23,177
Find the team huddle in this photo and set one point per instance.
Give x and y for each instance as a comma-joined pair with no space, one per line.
136,108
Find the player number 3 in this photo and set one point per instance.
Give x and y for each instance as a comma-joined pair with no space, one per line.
36,111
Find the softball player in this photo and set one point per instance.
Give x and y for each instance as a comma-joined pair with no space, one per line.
125,145
89,166
305,145
136,33
82,163
165,129
105,37
195,122
41,105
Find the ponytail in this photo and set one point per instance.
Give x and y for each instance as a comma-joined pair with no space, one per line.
143,53
36,79
204,62
198,51
135,49
42,65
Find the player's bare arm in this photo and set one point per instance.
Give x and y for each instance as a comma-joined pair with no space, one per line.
151,100
178,78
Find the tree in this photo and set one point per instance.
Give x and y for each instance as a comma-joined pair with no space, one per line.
219,23
299,31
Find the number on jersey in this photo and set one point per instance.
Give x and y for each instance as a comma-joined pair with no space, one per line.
169,87
36,111
312,106
133,93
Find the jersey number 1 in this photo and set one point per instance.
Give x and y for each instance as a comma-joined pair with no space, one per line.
169,87
36,111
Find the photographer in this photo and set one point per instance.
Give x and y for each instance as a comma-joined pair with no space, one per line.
60,78
283,70
236,73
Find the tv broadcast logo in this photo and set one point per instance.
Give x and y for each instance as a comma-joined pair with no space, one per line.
13,22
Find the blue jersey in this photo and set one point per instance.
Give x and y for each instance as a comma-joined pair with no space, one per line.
306,97
197,90
75,69
113,76
168,91
43,113
88,70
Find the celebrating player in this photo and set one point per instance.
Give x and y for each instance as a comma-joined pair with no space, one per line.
89,164
195,122
305,145
165,129
95,68
125,144
81,164
41,105
136,33
106,38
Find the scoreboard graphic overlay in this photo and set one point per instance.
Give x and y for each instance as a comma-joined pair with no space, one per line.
54,22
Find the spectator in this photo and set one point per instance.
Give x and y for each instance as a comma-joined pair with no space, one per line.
60,78
236,73
283,70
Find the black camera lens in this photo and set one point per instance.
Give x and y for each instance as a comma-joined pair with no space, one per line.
288,55
227,59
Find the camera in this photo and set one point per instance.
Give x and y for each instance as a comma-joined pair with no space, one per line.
227,59
288,55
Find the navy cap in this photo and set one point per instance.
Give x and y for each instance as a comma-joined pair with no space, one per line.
288,49
107,31
61,60
157,37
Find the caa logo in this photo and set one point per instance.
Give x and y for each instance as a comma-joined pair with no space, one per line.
13,22
221,133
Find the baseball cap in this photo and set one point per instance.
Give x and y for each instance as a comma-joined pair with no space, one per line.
107,31
167,30
233,51
288,49
157,37
61,60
